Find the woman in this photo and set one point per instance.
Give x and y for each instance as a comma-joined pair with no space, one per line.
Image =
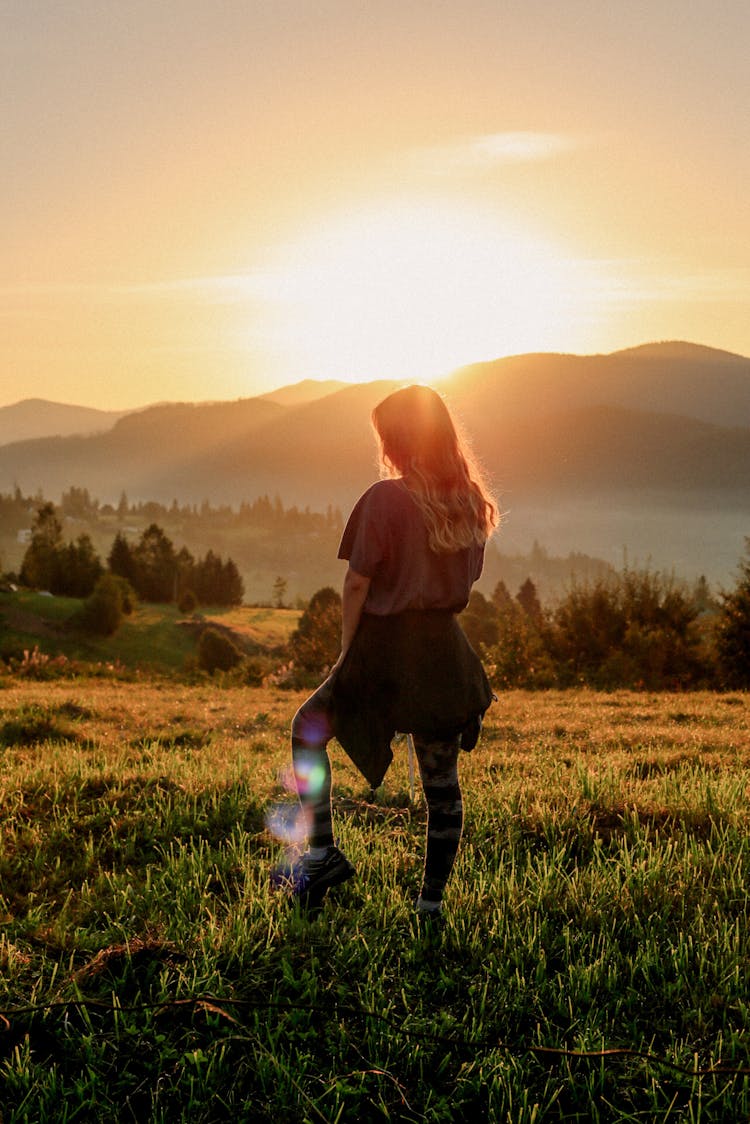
415,545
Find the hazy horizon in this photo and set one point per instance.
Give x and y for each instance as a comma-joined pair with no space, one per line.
280,387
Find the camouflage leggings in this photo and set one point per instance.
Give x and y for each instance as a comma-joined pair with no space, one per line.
438,768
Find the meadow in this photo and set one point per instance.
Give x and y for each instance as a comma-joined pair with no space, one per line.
593,964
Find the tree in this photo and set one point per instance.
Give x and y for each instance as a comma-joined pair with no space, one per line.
155,565
216,582
185,565
528,598
233,587
80,568
121,560
316,641
501,597
479,620
78,504
70,569
40,567
733,631
520,657
279,592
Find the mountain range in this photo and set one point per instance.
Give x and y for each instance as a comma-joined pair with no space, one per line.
643,453
36,417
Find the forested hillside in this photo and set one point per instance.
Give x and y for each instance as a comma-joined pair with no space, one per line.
645,452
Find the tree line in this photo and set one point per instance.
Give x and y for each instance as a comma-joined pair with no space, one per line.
630,628
634,628
264,512
152,569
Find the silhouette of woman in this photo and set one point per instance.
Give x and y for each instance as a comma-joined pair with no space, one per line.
415,545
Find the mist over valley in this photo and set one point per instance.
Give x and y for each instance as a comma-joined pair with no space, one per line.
641,455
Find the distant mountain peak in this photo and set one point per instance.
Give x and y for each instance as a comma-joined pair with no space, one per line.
681,349
38,417
308,390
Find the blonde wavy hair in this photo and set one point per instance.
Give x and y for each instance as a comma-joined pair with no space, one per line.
419,442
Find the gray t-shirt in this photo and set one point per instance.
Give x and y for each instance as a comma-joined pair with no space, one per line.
385,539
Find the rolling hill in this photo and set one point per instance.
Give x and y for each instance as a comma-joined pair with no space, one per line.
646,450
36,417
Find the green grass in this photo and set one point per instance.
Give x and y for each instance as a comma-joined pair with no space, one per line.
156,638
600,901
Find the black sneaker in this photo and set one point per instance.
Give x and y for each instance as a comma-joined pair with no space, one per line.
308,880
430,918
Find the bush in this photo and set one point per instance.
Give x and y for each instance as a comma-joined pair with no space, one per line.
188,602
633,629
519,658
316,642
733,632
217,651
101,614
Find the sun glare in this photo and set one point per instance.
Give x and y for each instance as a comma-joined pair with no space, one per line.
415,290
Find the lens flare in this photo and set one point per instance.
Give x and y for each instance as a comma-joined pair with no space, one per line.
308,775
291,823
288,823
313,728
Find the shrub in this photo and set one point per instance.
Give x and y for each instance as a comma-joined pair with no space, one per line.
188,602
217,651
316,642
101,614
632,629
253,671
733,632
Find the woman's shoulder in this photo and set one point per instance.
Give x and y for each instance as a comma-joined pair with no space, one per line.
385,493
384,503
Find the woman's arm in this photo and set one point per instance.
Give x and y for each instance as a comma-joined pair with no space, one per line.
354,594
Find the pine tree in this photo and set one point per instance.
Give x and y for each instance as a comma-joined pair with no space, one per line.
41,565
121,560
81,568
156,565
279,592
528,598
316,642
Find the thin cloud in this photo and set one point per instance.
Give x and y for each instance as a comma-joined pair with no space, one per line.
233,288
639,282
495,149
224,289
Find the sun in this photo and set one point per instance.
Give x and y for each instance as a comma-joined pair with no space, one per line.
415,289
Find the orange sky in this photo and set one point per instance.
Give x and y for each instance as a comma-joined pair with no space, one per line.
205,200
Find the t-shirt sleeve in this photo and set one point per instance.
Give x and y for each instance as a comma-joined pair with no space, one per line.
364,537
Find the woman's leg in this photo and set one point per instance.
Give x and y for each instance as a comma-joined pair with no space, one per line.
311,732
438,767
323,865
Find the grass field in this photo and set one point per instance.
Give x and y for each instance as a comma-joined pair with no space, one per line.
600,903
155,637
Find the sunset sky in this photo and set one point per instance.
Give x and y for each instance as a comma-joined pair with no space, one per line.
206,199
